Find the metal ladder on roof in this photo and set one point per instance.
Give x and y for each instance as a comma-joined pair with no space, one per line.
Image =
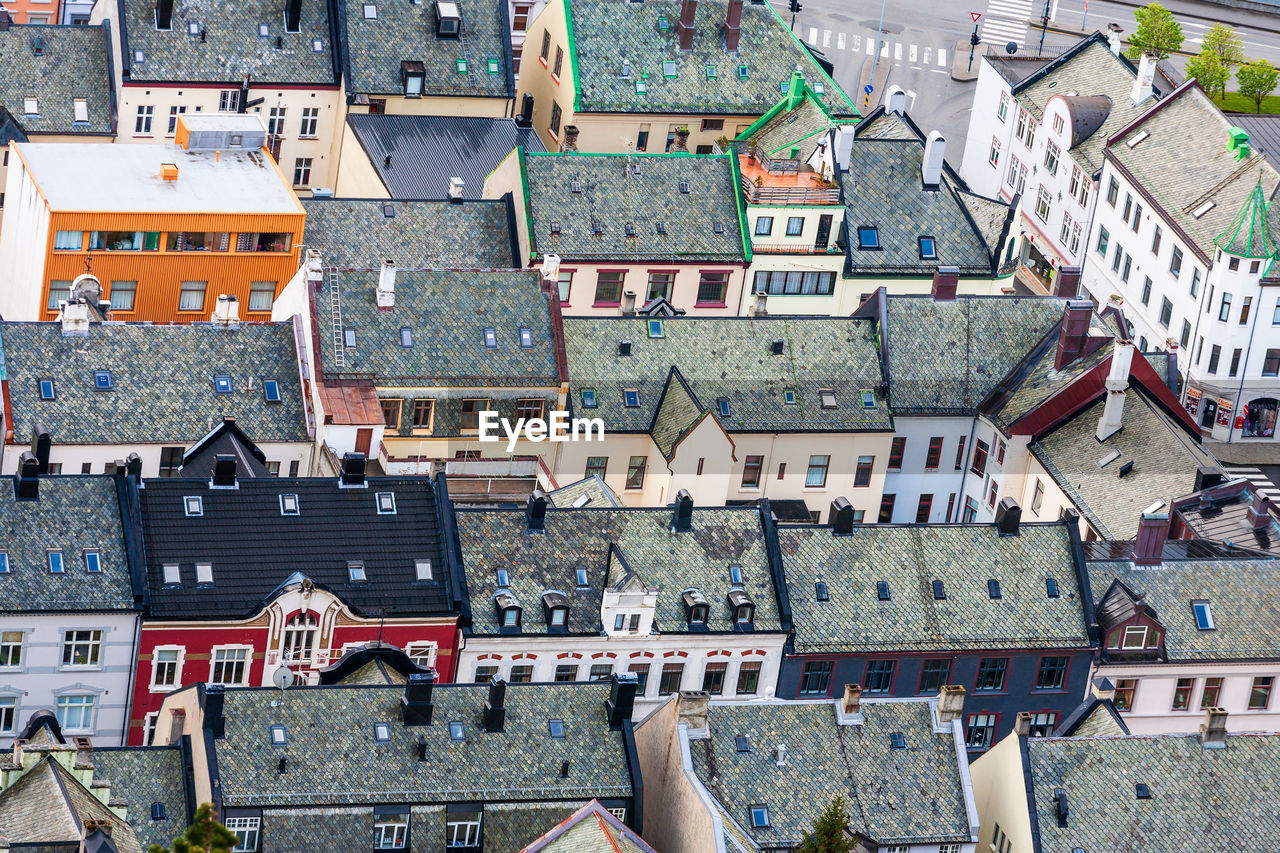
335,316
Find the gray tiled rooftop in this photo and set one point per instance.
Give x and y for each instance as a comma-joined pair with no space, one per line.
71,66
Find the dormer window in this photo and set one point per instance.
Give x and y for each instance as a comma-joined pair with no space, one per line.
509,610
448,19
355,571
386,503
696,608
993,588
1204,617
412,74
555,606
193,505
882,590
742,607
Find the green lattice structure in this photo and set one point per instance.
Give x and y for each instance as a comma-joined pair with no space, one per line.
1249,234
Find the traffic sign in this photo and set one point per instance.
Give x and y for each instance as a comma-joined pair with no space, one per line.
868,88
975,16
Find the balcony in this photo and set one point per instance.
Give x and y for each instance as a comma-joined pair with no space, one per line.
775,247
762,183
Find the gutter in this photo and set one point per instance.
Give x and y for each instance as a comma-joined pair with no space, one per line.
1029,789
637,782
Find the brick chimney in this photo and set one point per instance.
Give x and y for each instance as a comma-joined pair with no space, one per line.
950,703
681,142
1117,383
1022,724
684,29
1067,282
1075,332
1153,530
569,144
946,280
851,703
691,708
1102,688
1259,514
733,26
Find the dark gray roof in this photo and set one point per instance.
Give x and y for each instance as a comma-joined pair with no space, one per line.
521,763
731,357
883,188
162,381
912,795
232,46
607,32
71,66
948,356
224,439
73,513
254,549
426,151
358,233
1246,625
1264,133
1207,799
616,191
799,128
1164,457
611,544
141,776
373,49
1015,69
909,558
1088,112
1037,379
1220,515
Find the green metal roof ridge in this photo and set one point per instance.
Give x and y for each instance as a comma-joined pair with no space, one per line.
528,205
581,155
801,139
1254,209
573,56
768,116
838,88
736,177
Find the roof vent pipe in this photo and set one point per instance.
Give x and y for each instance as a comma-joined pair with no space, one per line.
935,150
455,190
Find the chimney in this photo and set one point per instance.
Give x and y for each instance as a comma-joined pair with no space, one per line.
1213,731
1022,724
1075,331
535,513
495,713
352,469
416,706
75,318
946,280
692,708
780,755
84,752
935,150
1067,282
622,698
1113,38
1207,477
164,14
41,441
688,9
841,517
682,517
1259,514
1008,516
852,702
550,271
224,471
1060,805
759,305
897,101
386,293
26,483
733,26
1102,689
455,190
133,466
1144,83
18,744
628,306
681,142
1153,530
844,146
950,703
226,311
1117,382
422,748
214,720
569,144
292,16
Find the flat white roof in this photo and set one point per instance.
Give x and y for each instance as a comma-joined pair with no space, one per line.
126,178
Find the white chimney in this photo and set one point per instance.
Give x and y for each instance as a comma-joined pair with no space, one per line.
628,306
758,304
1113,37
551,269
935,150
1117,381
386,293
844,146
226,311
1144,83
780,755
897,101
315,269
455,189
75,318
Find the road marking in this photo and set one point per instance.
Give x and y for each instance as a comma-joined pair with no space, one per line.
940,71
855,43
897,51
942,57
884,49
870,47
826,38
912,96
928,56
1260,481
813,36
911,54
840,41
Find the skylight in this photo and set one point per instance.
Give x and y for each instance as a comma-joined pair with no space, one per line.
1051,587
897,740
264,30
631,398
642,87
381,733
742,72
759,816
1202,209
928,249
580,576
193,504
556,727
939,591
735,575
669,69
102,380
588,398
820,591
656,329
493,66
317,46
868,399
289,505
370,11
355,571
711,72
193,28
349,338
278,736
456,732
555,227
490,338
502,577
723,405
271,391
526,337
1137,138
462,66
717,227
1204,616
741,743
993,588
868,237
664,24
1110,457
204,572
172,575
386,503
789,397
827,397
222,384
46,390
819,88
406,337
422,569
882,590
55,562
92,562
1142,791
139,56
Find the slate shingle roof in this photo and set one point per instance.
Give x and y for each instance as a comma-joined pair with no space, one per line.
162,381
73,513
1206,799
614,196
426,151
1165,460
1041,380
357,233
47,808
606,32
521,763
232,46
731,357
404,31
581,538
882,188
913,794
948,356
1184,163
254,548
800,128
73,65
1246,624
591,829
909,558
141,776
595,489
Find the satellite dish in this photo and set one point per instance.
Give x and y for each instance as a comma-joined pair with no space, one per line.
283,677
1011,48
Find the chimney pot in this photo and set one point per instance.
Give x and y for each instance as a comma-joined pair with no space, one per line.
1259,514
1116,383
26,483
946,281
1153,530
682,517
1144,82
226,311
1075,331
733,26
495,712
1067,282
692,707
628,303
758,305
841,517
41,442
416,706
535,513
897,100
950,703
1008,517
455,190
1213,731
684,29
780,755
1022,724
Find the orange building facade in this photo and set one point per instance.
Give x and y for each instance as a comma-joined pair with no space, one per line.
169,229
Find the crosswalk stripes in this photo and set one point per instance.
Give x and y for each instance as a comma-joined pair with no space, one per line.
1006,21
889,47
1260,481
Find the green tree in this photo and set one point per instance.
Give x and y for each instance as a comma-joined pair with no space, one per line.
205,835
1157,32
1257,79
1208,69
828,834
1223,41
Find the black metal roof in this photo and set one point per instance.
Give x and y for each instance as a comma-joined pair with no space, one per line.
254,548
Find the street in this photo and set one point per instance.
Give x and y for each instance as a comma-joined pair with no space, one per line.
918,41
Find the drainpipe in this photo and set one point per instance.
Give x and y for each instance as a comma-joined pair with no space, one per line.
964,469
133,675
1195,333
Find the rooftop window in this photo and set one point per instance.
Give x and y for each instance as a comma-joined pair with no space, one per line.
102,380
222,384
580,575
642,87
271,391
422,570
741,743
711,72
588,398
868,237
92,562
503,579
629,229
1202,209
631,398
897,740
193,505
556,727
669,69
759,816
820,591
55,562
868,399
386,503
193,28
827,397
462,66
264,30
723,405
882,590
139,56
717,227
349,338
526,337
317,46
819,88
664,23
684,187
735,575
1051,588
81,110
555,227
655,329
46,390
355,571
490,338
1142,791
204,572
381,733
172,574
928,249
278,736
289,505
939,591
1204,617
493,65
406,337
30,107
456,732
370,11
660,227
742,72
575,186
993,588
1137,138
157,811
789,397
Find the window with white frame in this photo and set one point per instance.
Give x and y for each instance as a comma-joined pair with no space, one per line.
228,100
1002,112
8,714
1051,154
230,665
75,712
462,829
165,666
149,728
300,637
11,649
993,156
390,831
310,119
81,648
1042,204
246,830
422,653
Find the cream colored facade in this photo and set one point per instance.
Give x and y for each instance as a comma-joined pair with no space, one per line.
357,177
1001,796
1153,694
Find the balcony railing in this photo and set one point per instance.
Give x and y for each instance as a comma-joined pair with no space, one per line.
775,248
788,195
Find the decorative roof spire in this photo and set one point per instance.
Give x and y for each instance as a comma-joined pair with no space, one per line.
1249,234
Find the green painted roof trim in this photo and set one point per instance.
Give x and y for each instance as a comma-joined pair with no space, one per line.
528,207
785,104
573,56
792,143
805,50
1249,234
737,197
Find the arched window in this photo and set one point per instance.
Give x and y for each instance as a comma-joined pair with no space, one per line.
1260,418
300,637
